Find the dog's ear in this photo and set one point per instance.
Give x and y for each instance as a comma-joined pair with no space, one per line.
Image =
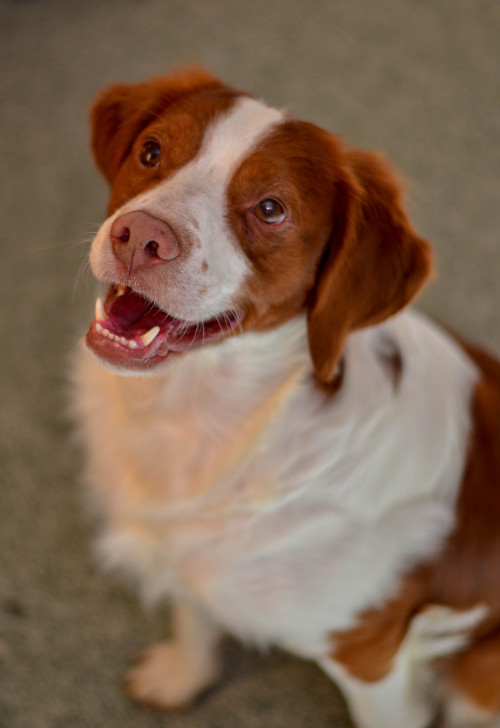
123,110
374,263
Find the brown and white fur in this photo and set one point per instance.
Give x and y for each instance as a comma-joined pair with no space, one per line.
304,465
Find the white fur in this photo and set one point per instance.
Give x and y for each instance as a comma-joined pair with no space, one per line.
233,480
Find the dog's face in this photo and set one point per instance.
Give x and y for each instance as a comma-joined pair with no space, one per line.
229,216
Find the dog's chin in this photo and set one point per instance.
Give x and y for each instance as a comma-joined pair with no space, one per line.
131,335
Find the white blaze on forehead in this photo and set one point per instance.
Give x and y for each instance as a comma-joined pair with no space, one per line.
197,193
228,141
233,136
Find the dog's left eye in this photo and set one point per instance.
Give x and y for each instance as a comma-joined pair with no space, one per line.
150,154
270,211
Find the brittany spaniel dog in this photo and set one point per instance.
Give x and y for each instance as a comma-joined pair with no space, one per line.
274,444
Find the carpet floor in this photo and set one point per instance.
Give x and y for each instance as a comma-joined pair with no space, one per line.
417,80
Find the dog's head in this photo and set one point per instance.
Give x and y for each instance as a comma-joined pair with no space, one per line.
228,216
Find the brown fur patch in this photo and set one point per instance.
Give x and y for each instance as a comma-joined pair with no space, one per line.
291,166
368,649
347,253
174,111
122,111
375,265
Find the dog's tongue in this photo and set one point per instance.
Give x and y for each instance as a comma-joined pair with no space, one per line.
130,311
130,308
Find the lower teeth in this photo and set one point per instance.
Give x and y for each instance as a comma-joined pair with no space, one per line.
121,339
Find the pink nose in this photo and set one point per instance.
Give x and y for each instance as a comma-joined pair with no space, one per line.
141,241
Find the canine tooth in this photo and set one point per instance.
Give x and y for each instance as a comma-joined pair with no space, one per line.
121,290
150,335
100,313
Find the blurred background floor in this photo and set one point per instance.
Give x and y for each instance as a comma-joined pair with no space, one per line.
418,80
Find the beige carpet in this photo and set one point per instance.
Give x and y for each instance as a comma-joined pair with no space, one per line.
416,79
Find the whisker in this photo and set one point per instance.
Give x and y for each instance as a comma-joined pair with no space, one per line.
183,333
229,331
220,324
84,274
64,245
195,335
183,328
238,326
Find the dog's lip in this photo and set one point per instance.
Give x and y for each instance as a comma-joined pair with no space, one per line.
131,332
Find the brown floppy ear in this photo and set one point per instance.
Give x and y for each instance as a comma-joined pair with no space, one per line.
123,110
375,262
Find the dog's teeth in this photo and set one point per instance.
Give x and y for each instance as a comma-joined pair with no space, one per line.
121,290
100,313
132,344
150,335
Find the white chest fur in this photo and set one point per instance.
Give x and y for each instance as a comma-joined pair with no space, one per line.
234,479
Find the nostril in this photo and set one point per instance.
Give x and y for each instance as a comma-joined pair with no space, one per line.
120,232
152,248
124,236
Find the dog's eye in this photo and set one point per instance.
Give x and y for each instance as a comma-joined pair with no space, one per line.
270,211
150,154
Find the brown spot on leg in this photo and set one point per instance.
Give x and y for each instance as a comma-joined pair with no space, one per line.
368,649
476,674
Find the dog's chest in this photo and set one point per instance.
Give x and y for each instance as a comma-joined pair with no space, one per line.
279,512
180,469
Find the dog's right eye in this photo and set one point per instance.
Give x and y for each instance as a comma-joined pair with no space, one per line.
150,154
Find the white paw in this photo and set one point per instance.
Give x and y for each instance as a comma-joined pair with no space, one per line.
439,631
166,678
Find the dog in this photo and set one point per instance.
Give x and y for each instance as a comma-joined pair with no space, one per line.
276,444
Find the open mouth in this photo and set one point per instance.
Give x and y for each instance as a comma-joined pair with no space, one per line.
131,332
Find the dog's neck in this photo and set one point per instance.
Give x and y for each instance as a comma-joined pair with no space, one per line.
248,366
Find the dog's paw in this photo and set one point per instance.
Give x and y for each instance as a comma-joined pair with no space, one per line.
166,678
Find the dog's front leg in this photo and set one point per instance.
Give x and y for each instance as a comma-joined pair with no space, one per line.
172,673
